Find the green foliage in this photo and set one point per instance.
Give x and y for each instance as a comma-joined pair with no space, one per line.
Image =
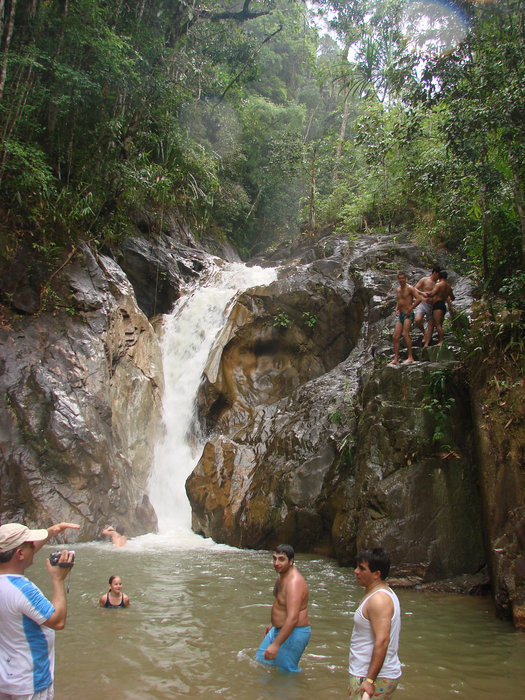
513,290
281,320
347,414
97,106
336,416
480,96
309,319
257,129
438,401
436,140
495,329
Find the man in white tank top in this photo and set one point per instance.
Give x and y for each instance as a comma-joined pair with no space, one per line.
374,664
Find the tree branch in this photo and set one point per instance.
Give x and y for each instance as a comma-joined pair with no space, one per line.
234,80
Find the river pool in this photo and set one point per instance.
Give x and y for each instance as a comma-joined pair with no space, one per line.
197,616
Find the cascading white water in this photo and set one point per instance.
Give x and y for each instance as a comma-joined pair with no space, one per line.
189,334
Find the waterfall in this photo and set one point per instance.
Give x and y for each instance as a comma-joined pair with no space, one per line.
188,336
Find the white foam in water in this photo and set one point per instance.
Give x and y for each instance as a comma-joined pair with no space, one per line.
188,337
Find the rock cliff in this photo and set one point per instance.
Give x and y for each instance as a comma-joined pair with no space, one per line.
80,415
498,407
82,383
316,441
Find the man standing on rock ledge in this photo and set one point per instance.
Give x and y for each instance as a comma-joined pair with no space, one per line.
289,631
442,294
374,664
408,298
27,618
423,310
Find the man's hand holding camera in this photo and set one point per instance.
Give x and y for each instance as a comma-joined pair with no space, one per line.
59,565
62,561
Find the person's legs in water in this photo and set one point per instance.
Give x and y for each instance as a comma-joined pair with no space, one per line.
290,651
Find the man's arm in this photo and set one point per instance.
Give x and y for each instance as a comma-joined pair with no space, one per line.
416,295
55,530
397,301
57,621
294,594
435,292
379,611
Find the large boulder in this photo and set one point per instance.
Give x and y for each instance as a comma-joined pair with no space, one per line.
81,406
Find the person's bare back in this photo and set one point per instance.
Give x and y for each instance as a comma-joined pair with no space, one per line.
441,292
441,295
117,539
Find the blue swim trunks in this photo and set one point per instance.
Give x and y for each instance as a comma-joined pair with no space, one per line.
290,651
403,315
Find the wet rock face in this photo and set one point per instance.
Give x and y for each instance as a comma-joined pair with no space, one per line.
81,408
164,257
415,493
277,339
157,268
315,441
500,443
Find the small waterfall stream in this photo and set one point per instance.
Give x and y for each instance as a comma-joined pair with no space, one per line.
188,337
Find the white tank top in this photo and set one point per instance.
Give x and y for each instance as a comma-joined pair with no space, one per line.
362,641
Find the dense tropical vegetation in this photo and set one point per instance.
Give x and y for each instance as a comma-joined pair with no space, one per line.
260,120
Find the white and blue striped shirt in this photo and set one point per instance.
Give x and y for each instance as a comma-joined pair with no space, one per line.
27,648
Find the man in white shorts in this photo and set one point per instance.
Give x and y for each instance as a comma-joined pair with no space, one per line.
28,620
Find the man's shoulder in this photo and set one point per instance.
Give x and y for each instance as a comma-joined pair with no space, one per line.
14,582
29,594
381,598
298,579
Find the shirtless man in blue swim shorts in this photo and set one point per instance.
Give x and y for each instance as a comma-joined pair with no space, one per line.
286,637
408,298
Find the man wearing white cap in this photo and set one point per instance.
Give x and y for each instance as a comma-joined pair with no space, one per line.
27,618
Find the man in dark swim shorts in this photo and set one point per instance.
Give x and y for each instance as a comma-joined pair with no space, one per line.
440,294
440,306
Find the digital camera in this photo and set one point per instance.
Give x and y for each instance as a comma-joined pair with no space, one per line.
55,556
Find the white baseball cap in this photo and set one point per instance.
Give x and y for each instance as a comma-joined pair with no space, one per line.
13,535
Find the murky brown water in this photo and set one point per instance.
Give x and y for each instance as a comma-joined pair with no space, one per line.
197,615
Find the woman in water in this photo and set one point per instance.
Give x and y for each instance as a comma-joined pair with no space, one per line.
114,598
